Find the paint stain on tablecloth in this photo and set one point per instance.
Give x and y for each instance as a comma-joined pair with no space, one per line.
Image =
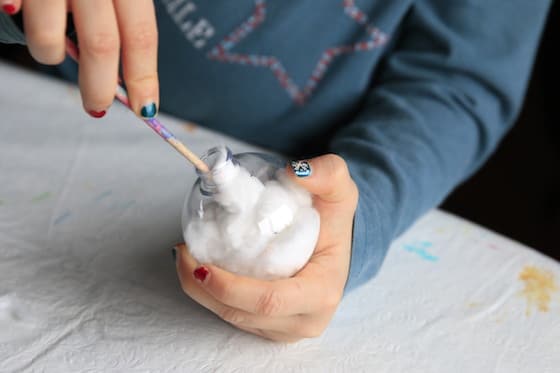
190,127
41,197
539,288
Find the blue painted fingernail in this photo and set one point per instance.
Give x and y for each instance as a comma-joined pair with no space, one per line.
301,168
174,253
149,111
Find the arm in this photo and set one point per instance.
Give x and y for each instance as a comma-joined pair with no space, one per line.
445,96
447,93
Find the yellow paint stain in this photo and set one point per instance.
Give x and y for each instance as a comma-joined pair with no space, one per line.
473,305
190,127
539,286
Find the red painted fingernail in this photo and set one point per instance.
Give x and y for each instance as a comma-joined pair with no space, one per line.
9,9
97,114
200,273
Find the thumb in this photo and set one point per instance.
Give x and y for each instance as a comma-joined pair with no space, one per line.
326,177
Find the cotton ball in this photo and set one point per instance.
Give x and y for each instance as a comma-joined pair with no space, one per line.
266,229
275,209
237,188
297,192
202,237
292,248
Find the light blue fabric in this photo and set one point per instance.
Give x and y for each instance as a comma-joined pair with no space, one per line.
415,95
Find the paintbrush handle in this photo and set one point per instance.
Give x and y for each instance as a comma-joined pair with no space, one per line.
155,124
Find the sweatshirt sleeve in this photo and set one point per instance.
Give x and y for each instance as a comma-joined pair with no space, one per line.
9,32
445,95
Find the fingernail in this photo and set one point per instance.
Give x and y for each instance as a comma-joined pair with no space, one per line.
149,111
9,9
301,168
174,253
97,114
200,273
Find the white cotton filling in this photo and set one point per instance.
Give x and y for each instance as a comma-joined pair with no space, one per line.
266,231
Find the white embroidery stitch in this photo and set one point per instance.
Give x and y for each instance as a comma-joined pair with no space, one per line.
197,31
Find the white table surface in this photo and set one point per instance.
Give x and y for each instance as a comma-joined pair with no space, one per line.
89,210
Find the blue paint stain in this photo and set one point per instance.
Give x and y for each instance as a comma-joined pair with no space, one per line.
62,218
103,195
419,248
128,204
123,206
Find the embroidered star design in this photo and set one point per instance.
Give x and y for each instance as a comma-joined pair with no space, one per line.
223,51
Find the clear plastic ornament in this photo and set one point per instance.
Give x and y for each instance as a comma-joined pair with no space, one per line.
246,216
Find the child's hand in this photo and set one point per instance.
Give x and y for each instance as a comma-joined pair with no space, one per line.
297,307
104,28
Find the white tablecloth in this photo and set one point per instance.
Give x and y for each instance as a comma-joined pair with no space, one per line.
89,210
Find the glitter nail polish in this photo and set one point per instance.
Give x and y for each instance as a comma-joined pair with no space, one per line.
301,168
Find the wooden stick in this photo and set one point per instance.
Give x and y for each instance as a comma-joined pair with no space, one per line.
160,129
196,161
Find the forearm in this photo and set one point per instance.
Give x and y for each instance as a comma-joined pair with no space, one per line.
446,96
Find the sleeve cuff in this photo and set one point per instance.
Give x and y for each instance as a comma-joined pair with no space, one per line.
368,246
9,32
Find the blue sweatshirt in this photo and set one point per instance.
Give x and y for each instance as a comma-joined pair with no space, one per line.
413,94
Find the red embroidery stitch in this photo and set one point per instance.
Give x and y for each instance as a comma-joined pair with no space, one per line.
222,51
